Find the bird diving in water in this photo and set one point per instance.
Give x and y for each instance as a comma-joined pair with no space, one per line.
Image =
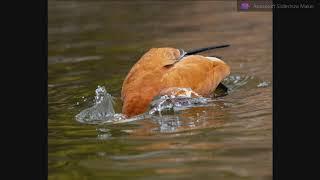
163,71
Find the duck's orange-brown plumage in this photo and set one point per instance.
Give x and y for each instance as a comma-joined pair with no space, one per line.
159,71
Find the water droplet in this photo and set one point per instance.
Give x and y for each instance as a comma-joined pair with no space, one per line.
104,136
103,130
263,84
101,153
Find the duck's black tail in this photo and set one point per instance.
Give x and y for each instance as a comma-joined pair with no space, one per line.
195,51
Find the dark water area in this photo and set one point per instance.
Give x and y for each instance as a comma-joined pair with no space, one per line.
95,43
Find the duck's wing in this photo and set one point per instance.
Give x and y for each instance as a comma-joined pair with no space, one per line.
201,74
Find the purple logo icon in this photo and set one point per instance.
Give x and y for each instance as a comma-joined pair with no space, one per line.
244,5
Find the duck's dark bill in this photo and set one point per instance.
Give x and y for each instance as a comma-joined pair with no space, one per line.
221,90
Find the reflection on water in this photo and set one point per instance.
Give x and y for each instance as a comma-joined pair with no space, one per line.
95,43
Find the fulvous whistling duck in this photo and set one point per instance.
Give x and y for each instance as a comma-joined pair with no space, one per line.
162,71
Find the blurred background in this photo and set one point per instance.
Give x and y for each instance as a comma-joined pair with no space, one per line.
93,43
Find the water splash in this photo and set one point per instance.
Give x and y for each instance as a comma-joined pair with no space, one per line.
237,81
172,103
101,111
263,84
